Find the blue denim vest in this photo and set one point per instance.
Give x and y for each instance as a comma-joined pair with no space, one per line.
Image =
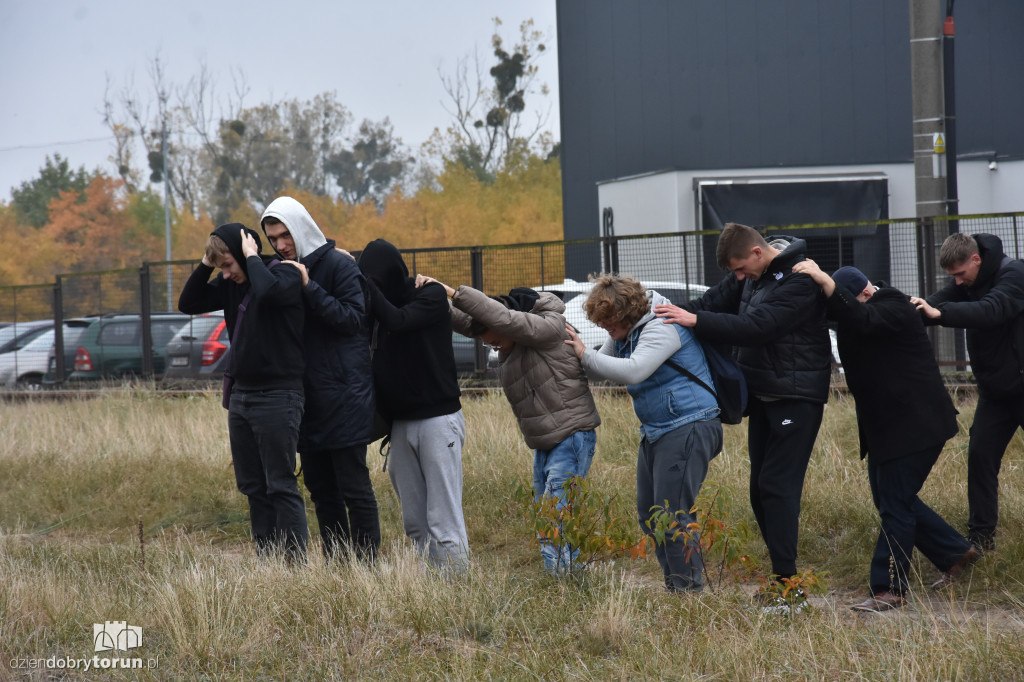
668,399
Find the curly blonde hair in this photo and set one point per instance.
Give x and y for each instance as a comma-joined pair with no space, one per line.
616,299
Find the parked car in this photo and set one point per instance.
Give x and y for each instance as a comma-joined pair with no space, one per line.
18,334
575,295
465,355
26,367
199,349
73,330
111,346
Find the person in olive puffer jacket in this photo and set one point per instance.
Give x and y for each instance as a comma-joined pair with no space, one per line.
544,382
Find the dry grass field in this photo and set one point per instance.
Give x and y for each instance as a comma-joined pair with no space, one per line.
79,477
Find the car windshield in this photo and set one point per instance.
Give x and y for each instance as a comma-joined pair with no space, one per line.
41,342
8,334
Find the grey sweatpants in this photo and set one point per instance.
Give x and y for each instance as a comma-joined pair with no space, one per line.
426,472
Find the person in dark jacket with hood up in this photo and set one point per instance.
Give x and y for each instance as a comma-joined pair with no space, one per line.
904,416
264,314
338,382
776,318
986,297
418,392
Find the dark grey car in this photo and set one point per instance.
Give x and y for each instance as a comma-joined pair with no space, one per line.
199,349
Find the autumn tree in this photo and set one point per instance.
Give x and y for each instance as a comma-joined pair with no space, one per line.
31,201
491,125
372,166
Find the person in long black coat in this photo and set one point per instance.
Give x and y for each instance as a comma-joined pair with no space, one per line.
905,416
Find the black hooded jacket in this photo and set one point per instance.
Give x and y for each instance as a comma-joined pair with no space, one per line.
413,362
267,353
902,405
992,311
778,323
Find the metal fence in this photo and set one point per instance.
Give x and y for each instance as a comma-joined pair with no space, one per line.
903,253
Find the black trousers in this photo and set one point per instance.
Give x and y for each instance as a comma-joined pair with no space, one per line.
346,508
907,522
780,437
995,422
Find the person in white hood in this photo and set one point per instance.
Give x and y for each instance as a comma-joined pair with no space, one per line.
338,381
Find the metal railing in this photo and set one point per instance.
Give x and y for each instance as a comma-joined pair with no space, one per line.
902,252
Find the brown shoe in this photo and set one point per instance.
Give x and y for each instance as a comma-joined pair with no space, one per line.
969,558
883,601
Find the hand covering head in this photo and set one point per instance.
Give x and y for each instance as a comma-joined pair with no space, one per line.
230,234
383,265
851,279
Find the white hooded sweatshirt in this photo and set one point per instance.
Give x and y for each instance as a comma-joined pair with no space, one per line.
303,229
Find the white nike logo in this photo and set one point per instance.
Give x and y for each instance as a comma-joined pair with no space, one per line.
787,422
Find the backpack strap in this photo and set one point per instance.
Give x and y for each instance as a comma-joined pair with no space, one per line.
682,370
693,377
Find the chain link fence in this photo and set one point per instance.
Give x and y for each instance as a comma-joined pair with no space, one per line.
903,253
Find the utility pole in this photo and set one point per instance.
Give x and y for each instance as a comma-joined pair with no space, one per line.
929,146
949,100
167,215
927,99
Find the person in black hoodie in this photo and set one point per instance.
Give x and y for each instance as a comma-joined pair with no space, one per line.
904,417
338,383
777,319
418,392
264,314
986,297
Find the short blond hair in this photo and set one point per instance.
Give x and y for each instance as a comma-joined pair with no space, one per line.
216,249
616,299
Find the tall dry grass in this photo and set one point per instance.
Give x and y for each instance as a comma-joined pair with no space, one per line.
78,477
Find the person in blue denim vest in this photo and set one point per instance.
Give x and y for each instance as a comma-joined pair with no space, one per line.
679,425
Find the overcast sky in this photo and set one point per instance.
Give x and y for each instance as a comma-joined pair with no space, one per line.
380,57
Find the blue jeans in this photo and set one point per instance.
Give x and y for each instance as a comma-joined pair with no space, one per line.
551,469
264,430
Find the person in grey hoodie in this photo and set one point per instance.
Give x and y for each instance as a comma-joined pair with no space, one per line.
544,383
338,380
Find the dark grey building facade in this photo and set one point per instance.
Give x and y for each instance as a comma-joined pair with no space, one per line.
648,85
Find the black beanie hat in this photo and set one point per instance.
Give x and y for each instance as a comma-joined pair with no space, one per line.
851,279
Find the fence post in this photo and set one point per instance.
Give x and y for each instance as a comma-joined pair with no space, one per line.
59,370
147,319
543,282
476,278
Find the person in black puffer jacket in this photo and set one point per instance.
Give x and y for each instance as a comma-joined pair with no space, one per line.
776,318
338,382
418,392
986,297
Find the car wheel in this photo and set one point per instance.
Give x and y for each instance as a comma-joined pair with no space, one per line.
31,382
